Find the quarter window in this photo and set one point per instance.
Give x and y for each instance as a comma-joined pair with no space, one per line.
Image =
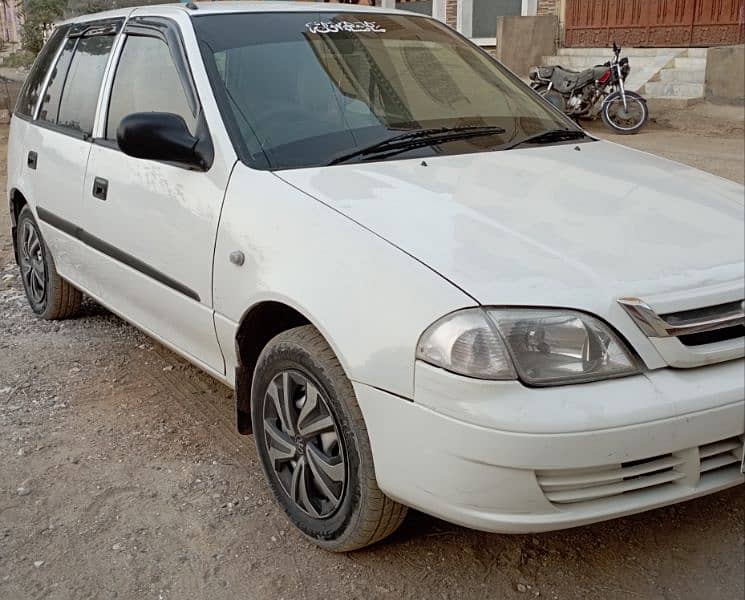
145,61
29,95
50,104
79,98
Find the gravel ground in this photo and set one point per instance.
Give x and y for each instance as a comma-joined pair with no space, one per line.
122,477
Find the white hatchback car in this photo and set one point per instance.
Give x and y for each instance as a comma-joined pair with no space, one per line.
427,287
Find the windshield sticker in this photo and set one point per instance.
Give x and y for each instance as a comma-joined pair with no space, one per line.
348,26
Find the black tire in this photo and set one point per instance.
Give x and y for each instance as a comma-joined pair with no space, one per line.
636,121
356,513
49,296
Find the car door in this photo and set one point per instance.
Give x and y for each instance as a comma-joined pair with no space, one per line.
59,140
154,223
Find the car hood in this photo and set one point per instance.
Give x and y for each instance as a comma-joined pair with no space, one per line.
566,225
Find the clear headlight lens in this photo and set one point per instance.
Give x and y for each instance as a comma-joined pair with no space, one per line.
466,343
542,346
561,346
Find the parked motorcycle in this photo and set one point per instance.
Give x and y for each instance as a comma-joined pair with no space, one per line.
599,89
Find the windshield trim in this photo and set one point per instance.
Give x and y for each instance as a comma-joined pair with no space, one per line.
262,162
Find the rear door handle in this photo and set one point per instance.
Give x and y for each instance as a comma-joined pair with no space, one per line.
100,188
31,159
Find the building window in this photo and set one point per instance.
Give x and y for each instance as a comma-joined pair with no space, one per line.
485,13
477,19
421,6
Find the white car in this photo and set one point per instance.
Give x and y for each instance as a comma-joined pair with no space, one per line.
427,287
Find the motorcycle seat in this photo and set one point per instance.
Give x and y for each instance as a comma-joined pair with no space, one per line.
566,80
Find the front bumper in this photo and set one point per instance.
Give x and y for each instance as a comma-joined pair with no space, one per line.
501,457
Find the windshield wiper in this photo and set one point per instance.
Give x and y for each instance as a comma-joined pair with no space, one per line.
418,139
548,137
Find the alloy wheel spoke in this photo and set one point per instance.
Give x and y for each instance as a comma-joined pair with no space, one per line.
287,405
28,233
275,394
300,482
37,286
325,423
326,473
281,446
34,246
38,267
311,402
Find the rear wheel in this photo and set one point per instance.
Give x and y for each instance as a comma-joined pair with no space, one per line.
313,444
49,296
625,120
553,97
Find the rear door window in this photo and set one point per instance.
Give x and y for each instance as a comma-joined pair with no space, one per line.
29,95
77,108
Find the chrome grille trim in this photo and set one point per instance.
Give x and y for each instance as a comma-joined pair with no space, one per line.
686,322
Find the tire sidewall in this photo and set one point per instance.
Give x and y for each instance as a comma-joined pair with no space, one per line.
609,122
286,355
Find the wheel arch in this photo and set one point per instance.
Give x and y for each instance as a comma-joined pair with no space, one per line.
16,202
259,324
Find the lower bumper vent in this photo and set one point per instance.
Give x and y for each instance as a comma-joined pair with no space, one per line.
568,486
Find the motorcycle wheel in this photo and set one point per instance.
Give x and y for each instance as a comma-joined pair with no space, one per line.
625,121
553,97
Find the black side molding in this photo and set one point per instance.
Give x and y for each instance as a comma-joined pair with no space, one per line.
113,252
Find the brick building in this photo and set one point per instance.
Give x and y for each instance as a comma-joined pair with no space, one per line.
476,19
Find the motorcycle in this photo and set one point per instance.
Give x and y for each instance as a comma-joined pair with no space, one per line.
599,89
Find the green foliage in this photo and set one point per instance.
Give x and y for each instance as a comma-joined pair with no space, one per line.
39,16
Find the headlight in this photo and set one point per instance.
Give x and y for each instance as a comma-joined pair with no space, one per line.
467,343
544,346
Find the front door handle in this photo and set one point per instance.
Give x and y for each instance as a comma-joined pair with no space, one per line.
31,159
100,188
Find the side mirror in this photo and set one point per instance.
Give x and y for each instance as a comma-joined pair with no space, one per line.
160,136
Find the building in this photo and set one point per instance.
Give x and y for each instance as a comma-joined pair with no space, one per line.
598,23
670,41
10,21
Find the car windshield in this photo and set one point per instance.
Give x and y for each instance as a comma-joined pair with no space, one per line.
303,89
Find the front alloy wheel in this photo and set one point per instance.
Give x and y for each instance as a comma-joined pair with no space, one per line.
304,445
313,444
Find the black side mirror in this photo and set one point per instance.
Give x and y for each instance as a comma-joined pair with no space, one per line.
160,136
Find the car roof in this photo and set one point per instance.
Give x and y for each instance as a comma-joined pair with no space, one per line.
227,6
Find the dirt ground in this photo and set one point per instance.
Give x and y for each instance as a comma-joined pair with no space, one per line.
122,477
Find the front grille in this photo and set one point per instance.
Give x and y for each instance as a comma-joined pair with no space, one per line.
570,486
712,337
689,318
692,337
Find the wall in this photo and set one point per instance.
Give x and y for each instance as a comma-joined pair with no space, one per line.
548,7
451,13
522,41
725,75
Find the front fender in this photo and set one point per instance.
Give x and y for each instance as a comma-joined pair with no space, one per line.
369,299
617,94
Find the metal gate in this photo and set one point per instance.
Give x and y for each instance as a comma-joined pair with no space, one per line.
654,23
